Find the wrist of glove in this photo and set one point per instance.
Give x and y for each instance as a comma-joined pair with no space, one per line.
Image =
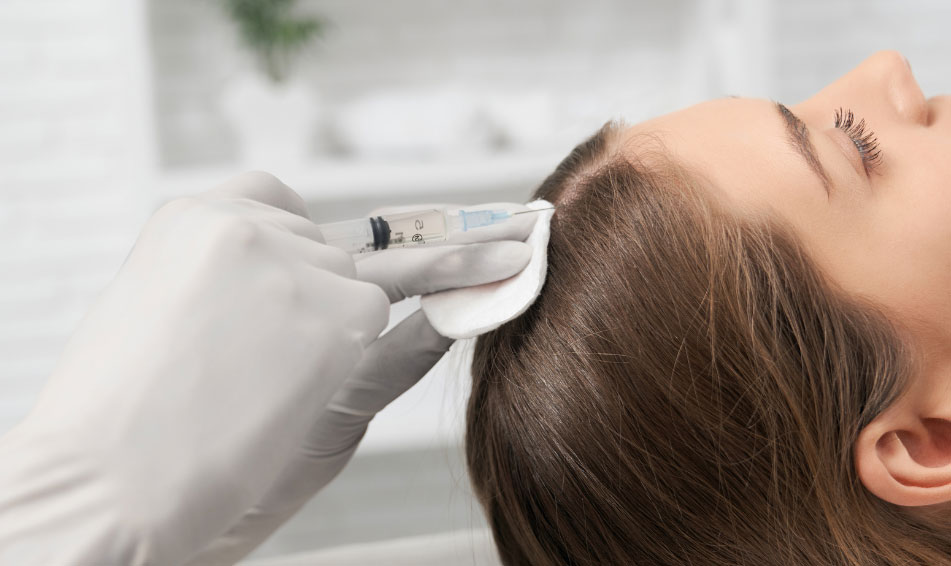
56,507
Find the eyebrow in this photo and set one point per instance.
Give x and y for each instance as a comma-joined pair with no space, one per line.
797,134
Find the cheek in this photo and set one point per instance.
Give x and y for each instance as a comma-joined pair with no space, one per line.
892,247
908,251
917,216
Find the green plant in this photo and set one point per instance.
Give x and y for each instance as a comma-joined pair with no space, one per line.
273,32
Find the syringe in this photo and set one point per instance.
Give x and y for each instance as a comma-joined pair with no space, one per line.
407,229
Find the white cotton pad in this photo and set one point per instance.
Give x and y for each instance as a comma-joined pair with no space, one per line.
470,311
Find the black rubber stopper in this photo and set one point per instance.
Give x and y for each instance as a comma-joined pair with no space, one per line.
381,233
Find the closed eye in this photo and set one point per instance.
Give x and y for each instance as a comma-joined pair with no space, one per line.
864,139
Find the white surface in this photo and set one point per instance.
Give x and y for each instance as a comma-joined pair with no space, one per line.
458,548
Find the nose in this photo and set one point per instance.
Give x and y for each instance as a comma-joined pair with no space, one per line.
885,82
889,73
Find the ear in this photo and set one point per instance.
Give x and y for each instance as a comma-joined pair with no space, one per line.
904,455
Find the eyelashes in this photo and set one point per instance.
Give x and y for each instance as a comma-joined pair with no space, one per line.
864,139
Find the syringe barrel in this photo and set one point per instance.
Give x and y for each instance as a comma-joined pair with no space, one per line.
417,228
352,236
396,230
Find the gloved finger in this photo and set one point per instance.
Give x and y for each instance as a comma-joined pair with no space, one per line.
361,308
287,221
314,253
300,226
261,187
408,272
391,365
515,228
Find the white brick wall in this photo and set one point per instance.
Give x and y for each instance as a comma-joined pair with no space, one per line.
74,156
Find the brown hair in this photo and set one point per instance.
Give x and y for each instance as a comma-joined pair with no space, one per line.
686,390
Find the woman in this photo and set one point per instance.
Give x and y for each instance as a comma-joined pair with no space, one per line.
742,353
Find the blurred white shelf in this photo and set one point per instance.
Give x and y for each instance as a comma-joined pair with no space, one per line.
338,180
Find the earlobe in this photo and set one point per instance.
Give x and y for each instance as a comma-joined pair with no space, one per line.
906,459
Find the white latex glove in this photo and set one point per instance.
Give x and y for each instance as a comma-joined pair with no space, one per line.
190,384
391,365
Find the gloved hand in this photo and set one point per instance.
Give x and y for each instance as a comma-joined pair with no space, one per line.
192,382
390,365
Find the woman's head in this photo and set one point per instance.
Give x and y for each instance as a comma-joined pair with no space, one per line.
716,364
881,228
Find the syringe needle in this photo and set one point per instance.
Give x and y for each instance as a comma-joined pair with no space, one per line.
534,210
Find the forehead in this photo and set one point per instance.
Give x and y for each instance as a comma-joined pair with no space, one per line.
738,145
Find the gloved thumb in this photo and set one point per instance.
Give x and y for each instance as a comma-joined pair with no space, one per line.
391,365
409,272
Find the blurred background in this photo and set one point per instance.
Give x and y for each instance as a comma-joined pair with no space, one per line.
108,108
